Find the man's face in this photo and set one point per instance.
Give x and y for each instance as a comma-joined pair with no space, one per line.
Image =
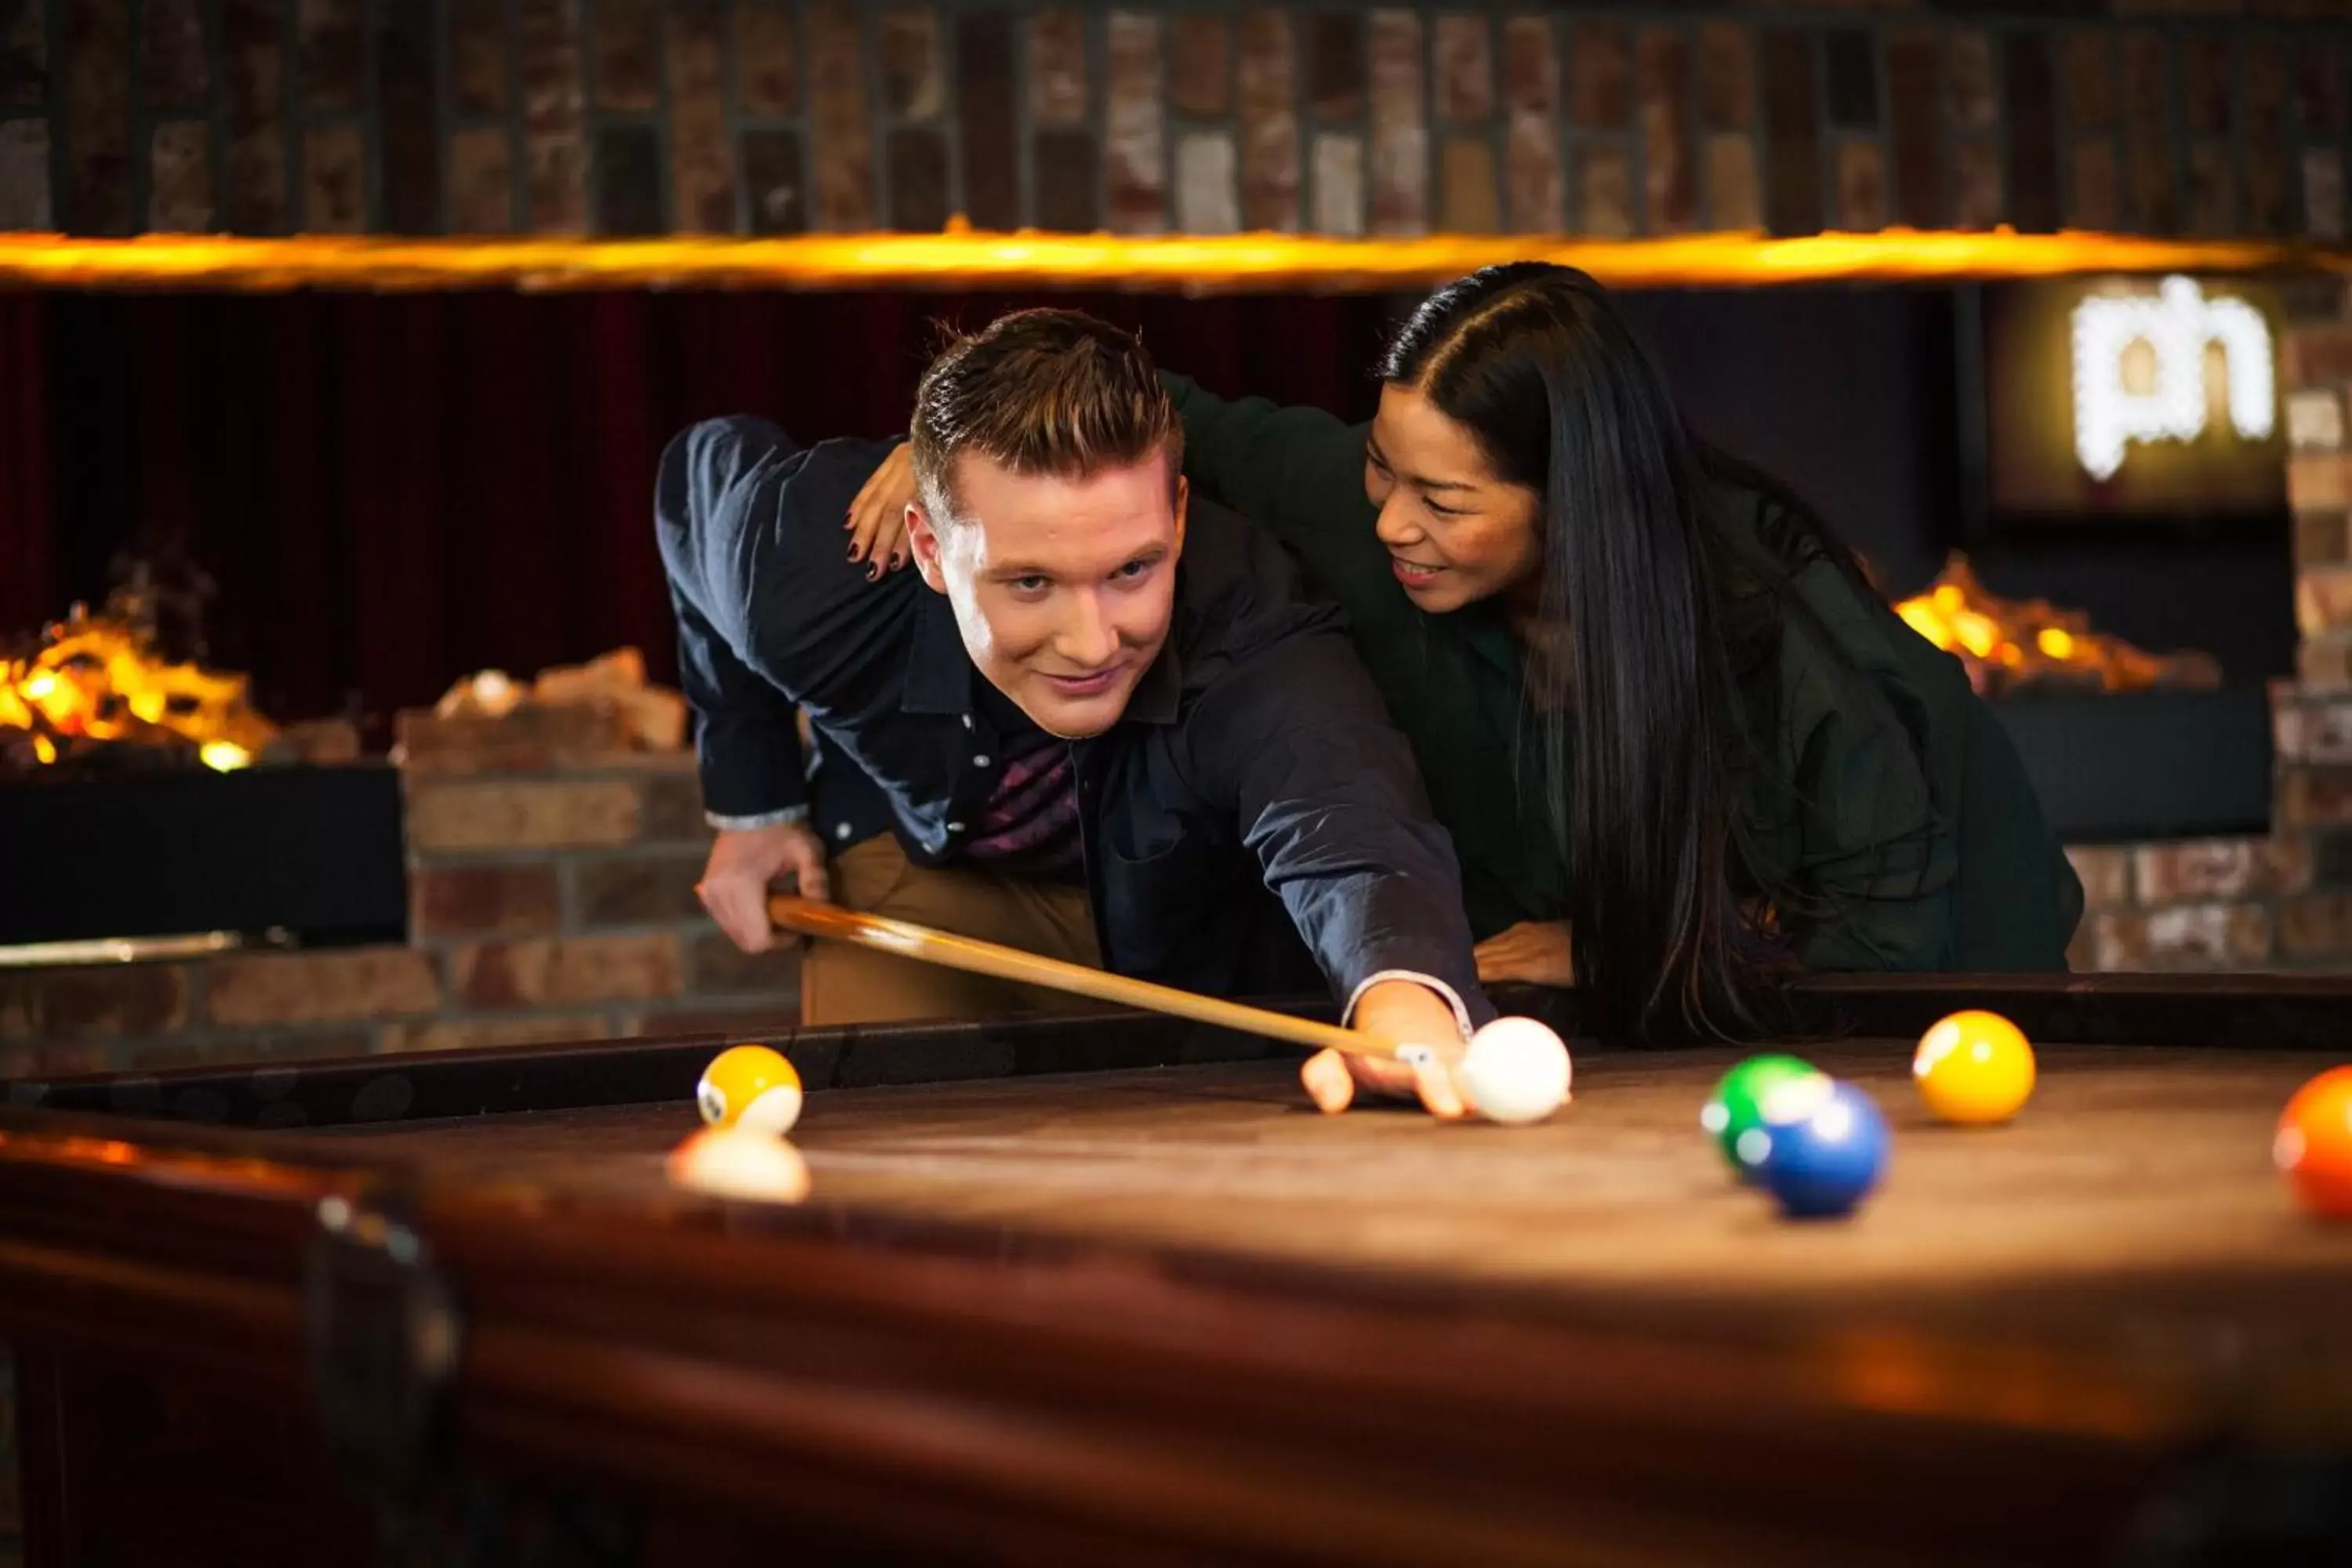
1062,588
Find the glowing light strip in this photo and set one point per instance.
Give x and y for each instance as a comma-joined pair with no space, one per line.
1220,264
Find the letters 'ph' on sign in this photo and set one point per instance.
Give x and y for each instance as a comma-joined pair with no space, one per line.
2168,404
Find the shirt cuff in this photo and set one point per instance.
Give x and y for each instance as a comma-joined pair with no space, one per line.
1453,997
764,819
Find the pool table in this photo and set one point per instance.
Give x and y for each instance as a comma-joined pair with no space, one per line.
1104,1290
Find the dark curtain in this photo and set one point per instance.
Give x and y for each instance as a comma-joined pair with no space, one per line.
391,491
28,523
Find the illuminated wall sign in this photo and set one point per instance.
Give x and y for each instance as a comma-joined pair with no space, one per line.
2175,325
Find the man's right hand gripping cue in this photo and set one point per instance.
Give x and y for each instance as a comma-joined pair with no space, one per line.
745,866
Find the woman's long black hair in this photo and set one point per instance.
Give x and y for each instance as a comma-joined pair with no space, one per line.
1667,909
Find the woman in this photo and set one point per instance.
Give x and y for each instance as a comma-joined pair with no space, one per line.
1685,749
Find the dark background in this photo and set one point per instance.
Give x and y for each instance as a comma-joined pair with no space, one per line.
393,490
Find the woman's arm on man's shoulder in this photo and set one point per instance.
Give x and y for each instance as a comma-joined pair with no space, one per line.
1298,472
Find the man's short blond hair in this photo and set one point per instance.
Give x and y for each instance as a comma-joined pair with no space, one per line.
1053,392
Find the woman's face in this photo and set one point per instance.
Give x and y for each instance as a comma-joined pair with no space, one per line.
1455,533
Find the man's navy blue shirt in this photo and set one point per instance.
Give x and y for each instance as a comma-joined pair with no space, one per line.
1253,807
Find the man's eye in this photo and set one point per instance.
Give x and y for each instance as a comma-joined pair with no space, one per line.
1443,511
1028,585
1132,570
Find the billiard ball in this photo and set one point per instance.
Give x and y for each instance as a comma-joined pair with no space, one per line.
740,1162
749,1086
1515,1071
1734,1109
1974,1069
1822,1161
2314,1145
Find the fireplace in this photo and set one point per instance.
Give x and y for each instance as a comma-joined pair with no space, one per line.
2126,767
301,855
2121,744
146,805
107,693
520,868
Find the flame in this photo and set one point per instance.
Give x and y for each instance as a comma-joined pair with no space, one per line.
964,258
2007,644
98,678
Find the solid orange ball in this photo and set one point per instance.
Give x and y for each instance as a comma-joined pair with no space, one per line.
1974,1069
2314,1145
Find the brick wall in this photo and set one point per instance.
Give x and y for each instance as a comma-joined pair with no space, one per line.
551,897
2218,903
2202,117
555,889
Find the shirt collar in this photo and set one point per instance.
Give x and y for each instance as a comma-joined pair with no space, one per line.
938,670
939,673
1153,701
1489,636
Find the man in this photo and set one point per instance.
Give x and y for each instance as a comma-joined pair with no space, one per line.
1052,703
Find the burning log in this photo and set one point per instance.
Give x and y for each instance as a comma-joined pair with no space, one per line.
2009,646
94,684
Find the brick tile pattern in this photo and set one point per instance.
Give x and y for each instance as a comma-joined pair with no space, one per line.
763,117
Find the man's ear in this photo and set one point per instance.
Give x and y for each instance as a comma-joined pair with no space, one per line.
1183,499
923,543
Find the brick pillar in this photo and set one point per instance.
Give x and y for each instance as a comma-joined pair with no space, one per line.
2313,715
2315,361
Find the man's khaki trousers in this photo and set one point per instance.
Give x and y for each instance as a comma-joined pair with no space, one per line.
841,983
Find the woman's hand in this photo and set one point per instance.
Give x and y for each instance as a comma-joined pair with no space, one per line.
877,518
1407,1014
1534,951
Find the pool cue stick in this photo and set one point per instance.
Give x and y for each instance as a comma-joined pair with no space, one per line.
969,953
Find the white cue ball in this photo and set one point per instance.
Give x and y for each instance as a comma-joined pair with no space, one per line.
1516,1072
740,1162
